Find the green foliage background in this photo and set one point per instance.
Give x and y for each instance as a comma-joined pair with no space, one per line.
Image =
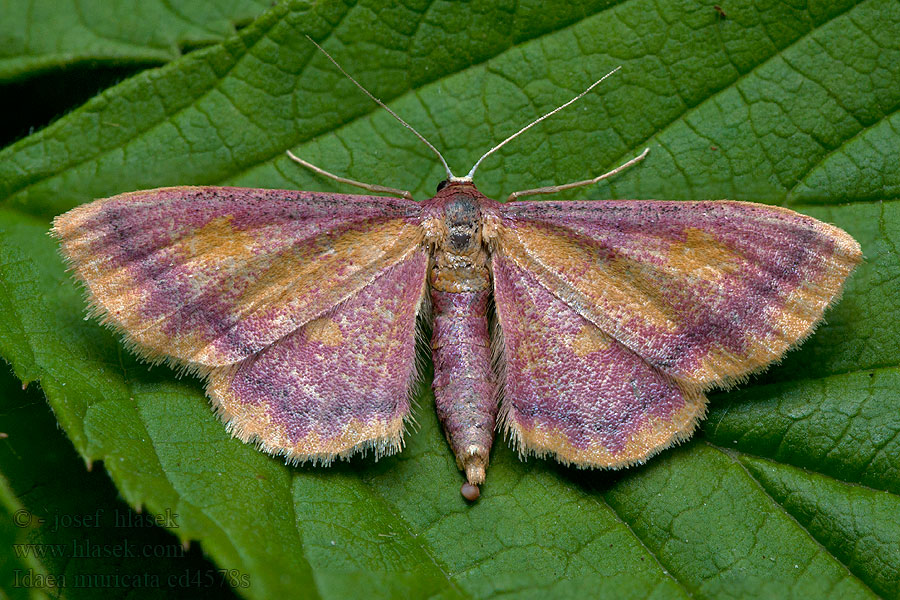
791,489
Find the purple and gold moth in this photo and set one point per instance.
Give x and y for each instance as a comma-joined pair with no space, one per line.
586,331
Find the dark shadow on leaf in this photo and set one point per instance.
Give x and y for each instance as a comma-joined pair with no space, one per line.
38,101
104,543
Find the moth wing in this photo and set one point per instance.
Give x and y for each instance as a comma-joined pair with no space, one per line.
706,292
208,276
574,392
337,385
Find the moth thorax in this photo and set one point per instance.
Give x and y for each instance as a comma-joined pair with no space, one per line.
462,218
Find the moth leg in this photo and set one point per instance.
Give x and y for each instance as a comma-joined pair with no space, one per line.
552,189
366,186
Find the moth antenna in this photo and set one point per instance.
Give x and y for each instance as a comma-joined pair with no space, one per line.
533,123
385,107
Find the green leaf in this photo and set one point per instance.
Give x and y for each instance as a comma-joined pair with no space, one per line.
71,544
786,491
56,54
43,35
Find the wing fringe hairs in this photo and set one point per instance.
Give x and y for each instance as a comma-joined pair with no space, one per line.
805,304
513,435
248,426
572,258
93,247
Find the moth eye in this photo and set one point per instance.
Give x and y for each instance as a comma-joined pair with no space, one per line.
443,184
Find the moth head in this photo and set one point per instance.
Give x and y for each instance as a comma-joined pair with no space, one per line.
458,207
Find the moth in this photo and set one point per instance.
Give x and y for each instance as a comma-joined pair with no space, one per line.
587,331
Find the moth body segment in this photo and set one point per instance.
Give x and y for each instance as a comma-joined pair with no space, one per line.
470,492
465,385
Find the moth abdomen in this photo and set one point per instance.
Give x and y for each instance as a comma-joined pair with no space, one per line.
464,382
